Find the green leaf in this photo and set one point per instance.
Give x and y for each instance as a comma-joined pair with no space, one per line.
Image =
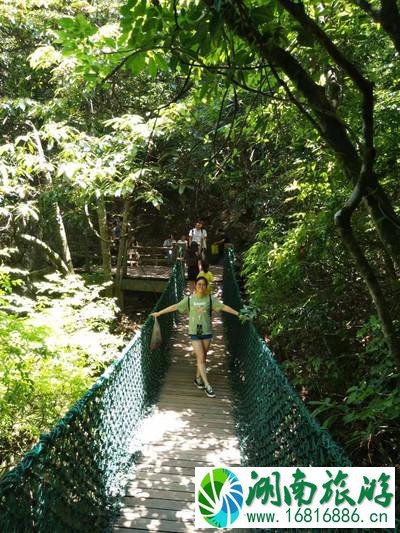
90,77
161,62
149,24
152,67
136,63
127,9
66,22
109,41
86,28
263,14
140,9
173,63
243,57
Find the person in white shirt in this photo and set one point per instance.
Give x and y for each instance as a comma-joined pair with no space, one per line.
181,246
199,234
169,244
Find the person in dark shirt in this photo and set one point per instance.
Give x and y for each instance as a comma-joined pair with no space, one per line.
192,262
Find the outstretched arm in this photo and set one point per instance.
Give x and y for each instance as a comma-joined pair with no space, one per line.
230,310
166,310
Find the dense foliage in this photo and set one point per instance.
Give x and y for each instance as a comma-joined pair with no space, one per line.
266,118
52,347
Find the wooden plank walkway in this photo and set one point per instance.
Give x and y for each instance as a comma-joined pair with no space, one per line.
187,429
163,272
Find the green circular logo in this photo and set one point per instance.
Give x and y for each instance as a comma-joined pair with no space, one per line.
220,497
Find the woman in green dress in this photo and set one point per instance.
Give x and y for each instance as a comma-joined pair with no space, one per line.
200,306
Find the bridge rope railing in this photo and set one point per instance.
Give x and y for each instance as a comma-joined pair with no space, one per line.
72,478
274,427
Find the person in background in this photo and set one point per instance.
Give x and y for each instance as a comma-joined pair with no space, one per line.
115,235
181,246
192,262
116,229
199,234
205,273
169,243
204,242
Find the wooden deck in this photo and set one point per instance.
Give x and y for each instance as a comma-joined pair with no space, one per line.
152,278
149,271
164,272
187,429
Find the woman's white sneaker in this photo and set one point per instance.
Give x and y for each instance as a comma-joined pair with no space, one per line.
209,391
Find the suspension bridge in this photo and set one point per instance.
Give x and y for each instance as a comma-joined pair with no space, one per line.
122,459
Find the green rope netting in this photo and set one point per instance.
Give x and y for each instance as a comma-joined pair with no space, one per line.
70,481
274,427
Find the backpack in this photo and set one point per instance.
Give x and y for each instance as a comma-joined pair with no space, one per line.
210,304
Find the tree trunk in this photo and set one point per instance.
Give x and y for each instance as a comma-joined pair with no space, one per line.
390,20
104,238
386,222
343,223
62,235
59,227
122,248
53,256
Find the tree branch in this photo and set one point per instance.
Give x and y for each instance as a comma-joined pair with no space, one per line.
367,7
298,13
221,109
295,101
86,208
53,256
